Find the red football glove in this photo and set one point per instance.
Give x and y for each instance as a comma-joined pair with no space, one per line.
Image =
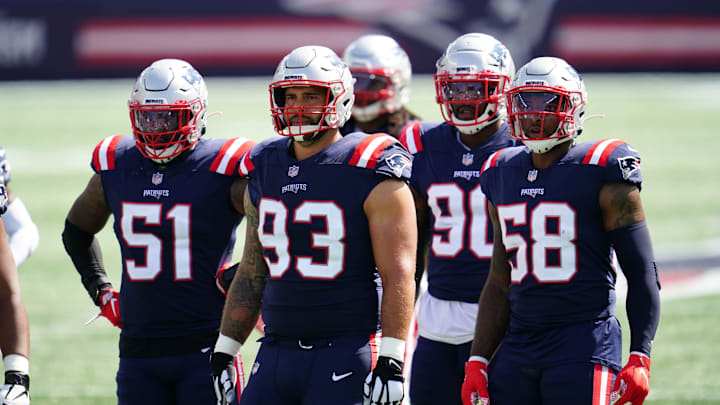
474,389
632,383
110,306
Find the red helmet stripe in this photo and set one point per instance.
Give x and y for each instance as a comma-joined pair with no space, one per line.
600,152
229,154
369,149
104,153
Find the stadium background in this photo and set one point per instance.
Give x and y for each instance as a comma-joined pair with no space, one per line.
652,67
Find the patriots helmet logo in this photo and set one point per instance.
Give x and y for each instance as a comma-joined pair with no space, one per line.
628,165
398,162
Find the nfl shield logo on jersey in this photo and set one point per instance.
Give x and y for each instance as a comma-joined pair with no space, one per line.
468,159
532,175
157,178
293,170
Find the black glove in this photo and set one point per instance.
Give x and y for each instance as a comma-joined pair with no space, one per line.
224,377
384,384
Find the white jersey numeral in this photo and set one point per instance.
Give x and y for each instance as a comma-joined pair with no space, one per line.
562,242
448,204
151,214
275,237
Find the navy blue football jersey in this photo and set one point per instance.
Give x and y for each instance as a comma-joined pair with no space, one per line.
315,235
176,226
561,259
447,174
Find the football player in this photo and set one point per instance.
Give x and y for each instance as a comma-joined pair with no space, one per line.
176,200
472,77
382,73
21,230
559,210
323,212
14,330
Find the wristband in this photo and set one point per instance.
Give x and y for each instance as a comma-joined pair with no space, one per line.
481,359
227,345
392,347
16,362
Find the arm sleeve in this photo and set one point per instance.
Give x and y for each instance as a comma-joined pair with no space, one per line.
84,250
22,231
635,254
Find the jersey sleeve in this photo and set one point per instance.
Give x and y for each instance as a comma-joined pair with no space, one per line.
384,154
103,157
620,161
230,153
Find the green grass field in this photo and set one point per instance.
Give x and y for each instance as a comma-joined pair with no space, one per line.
50,129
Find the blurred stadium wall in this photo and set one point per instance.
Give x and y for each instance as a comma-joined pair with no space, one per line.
52,39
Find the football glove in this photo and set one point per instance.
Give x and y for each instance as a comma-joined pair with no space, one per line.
224,377
384,384
16,389
110,306
475,387
632,383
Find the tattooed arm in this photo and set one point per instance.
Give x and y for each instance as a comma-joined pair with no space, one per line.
242,306
621,205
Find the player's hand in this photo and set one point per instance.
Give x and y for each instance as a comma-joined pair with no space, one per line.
224,377
474,389
384,384
632,383
110,306
16,389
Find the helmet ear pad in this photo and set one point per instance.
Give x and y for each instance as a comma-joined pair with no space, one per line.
168,109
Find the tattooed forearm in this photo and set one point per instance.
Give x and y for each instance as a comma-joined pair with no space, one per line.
242,306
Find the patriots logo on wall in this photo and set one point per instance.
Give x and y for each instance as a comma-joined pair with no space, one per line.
398,163
293,170
628,165
468,159
157,178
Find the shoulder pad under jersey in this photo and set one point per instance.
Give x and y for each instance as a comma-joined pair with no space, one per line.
621,161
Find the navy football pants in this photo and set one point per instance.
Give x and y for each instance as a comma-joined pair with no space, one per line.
183,379
309,372
438,370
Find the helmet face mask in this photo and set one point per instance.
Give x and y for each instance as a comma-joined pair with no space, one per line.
168,109
546,104
383,72
472,77
317,72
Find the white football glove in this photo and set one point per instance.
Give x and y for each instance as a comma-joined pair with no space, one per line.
384,384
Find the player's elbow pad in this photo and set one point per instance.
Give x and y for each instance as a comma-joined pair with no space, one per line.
84,250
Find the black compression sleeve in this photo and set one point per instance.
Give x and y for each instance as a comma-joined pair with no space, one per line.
84,250
635,254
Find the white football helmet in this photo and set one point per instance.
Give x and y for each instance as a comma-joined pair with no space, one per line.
382,73
311,66
168,109
471,80
546,104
